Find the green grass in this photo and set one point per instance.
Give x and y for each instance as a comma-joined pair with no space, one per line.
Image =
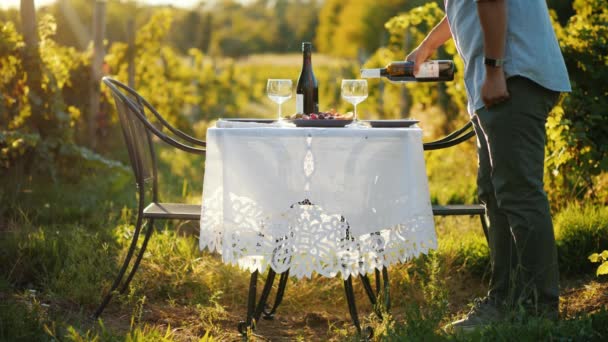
67,266
62,243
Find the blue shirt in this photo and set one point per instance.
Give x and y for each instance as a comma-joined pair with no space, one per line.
531,48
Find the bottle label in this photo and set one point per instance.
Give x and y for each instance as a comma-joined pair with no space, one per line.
300,103
428,69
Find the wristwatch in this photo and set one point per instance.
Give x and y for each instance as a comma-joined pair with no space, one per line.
495,63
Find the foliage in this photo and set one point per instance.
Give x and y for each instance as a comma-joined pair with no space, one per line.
601,258
38,120
580,230
578,129
355,29
563,9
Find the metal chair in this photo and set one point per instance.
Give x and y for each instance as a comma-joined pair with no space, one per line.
134,113
458,136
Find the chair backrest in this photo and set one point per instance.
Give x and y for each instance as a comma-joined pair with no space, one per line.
134,113
137,139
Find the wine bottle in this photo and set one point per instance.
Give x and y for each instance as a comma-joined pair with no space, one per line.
307,89
430,71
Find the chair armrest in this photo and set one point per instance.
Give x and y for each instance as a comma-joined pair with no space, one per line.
462,134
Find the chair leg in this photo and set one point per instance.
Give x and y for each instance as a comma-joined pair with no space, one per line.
124,266
140,255
387,292
484,226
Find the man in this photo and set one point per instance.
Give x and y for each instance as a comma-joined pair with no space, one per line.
513,74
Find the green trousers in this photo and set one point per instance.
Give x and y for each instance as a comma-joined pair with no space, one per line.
511,150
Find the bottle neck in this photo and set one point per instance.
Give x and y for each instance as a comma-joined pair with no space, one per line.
307,58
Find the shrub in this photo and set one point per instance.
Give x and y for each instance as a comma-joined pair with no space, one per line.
577,140
580,231
64,260
20,322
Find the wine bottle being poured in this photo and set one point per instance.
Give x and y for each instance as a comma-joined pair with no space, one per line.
307,89
430,71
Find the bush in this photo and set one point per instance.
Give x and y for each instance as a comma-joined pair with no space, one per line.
20,322
580,231
577,140
64,260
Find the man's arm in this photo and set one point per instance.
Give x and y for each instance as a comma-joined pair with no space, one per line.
493,19
438,35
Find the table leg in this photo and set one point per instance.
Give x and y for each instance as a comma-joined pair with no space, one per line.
255,310
243,326
264,296
370,294
374,296
279,296
352,308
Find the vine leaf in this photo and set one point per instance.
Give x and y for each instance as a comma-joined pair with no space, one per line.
603,269
594,257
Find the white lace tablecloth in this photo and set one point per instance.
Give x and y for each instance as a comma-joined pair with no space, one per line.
325,200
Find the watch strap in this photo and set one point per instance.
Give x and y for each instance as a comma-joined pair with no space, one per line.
495,63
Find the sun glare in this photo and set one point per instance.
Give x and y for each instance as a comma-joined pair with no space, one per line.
15,3
182,3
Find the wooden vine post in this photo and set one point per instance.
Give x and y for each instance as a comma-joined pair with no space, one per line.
99,25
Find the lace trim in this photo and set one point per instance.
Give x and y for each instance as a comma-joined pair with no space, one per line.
306,239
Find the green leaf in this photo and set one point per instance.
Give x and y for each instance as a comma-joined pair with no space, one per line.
603,269
594,257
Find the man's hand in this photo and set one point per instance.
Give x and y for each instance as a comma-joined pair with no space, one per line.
420,55
438,35
494,88
493,21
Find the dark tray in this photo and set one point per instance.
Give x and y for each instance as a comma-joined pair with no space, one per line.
391,123
321,123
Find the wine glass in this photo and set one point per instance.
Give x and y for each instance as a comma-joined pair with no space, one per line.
279,91
354,91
